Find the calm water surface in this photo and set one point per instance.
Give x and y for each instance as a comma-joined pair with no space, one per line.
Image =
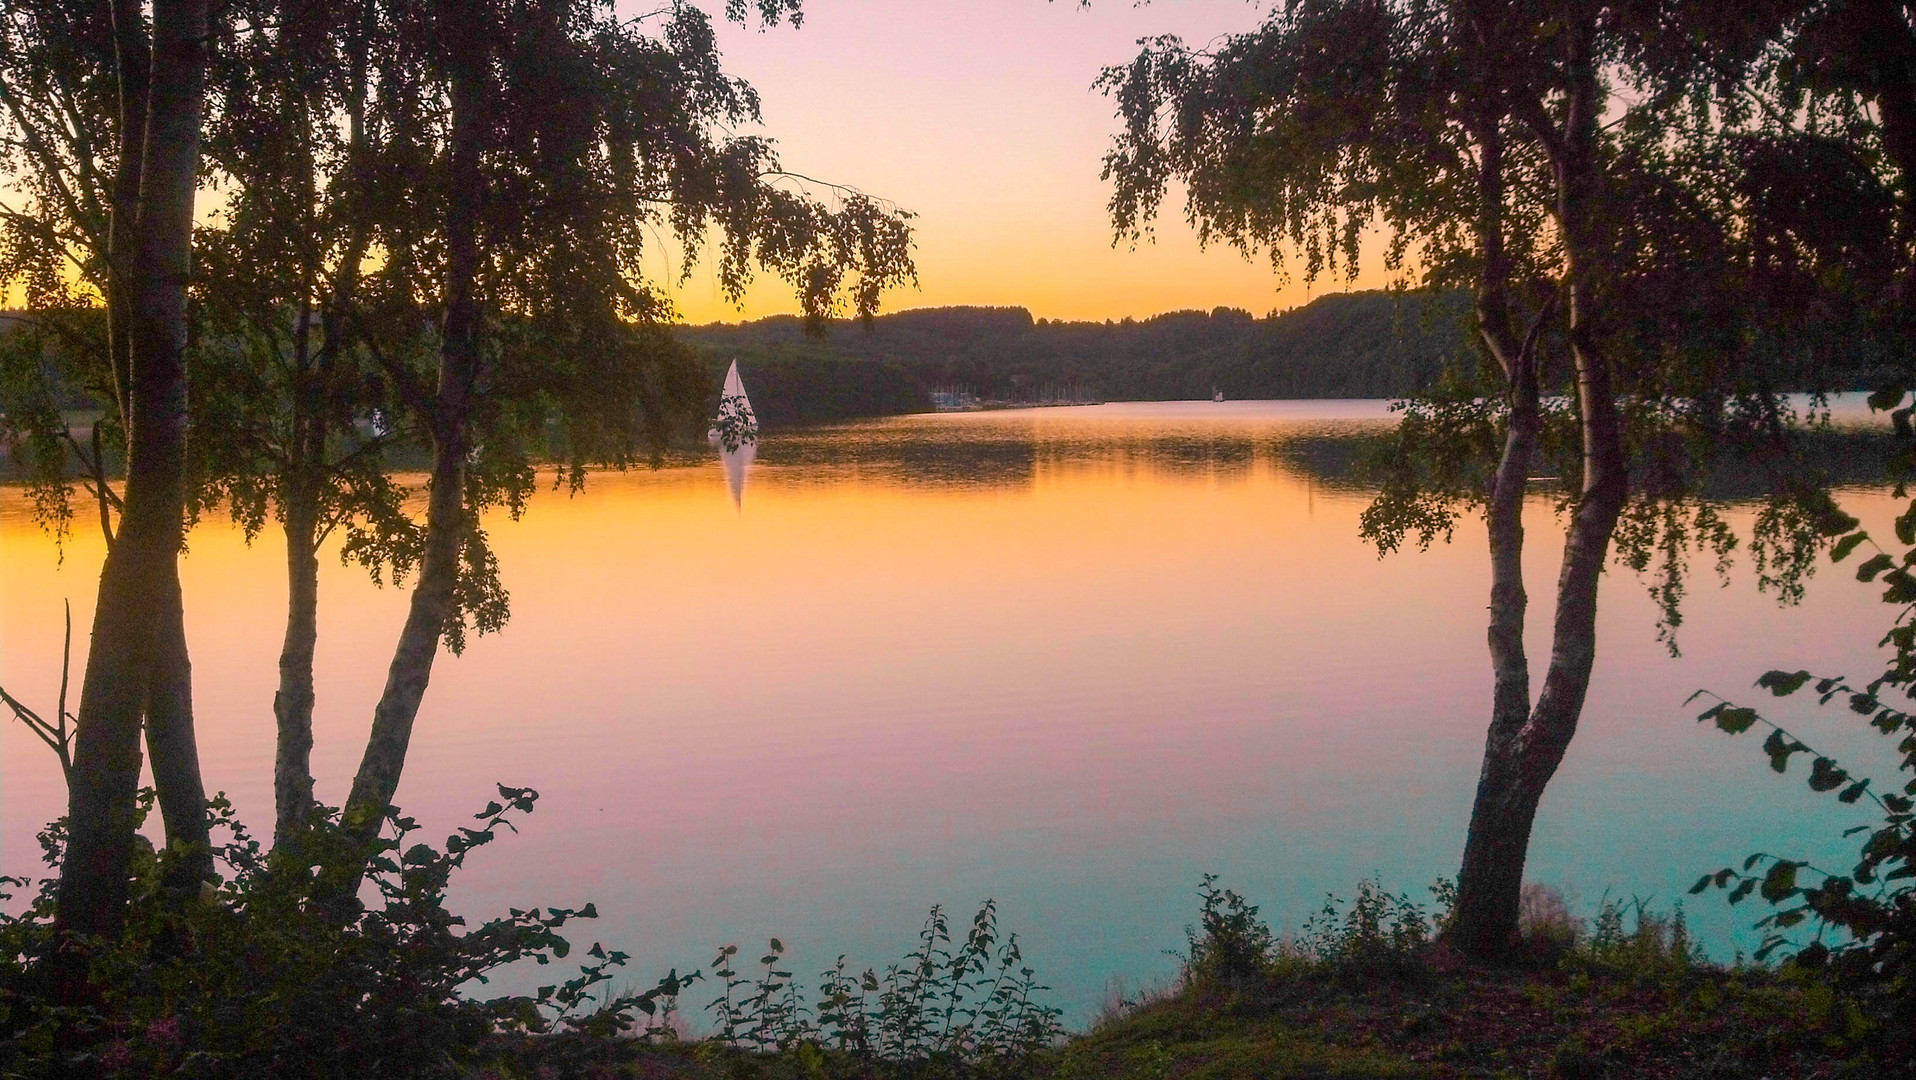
1071,659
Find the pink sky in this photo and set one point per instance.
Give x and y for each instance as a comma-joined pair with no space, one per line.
979,116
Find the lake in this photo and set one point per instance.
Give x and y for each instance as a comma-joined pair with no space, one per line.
1071,659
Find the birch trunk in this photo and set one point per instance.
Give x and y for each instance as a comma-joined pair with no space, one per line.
293,701
138,636
173,745
307,477
432,599
1526,743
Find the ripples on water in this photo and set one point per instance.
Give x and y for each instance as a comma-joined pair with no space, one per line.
1068,658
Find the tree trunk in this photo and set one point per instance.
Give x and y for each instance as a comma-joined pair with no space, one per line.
293,702
171,743
307,468
138,640
446,521
1526,744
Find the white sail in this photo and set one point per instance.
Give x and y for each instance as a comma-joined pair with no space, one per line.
735,432
736,425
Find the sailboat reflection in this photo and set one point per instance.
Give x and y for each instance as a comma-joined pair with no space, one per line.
735,432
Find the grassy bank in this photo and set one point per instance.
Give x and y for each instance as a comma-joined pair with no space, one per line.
1367,990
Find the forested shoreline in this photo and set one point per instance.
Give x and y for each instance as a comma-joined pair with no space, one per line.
1367,344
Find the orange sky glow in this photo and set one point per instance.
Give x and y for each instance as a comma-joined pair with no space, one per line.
979,116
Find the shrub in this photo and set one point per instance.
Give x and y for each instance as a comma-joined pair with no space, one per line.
945,1009
1865,918
1379,933
278,970
275,970
1230,946
1631,940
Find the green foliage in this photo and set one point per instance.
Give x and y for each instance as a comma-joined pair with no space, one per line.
1378,933
1229,945
1633,941
1871,908
55,413
270,972
1868,913
1231,950
946,1007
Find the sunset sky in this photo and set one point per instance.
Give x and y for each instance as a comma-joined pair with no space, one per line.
978,115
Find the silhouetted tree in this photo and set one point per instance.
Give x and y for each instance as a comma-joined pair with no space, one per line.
1603,235
137,672
562,132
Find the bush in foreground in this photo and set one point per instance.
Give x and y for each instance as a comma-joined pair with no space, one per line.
280,969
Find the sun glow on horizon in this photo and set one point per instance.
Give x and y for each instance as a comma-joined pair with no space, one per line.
980,118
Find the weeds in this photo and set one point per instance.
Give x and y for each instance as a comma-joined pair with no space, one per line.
1378,933
1230,944
944,1005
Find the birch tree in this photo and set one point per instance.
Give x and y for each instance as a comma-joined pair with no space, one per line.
138,673
555,136
1534,154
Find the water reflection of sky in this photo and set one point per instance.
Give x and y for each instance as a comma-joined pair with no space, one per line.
1071,659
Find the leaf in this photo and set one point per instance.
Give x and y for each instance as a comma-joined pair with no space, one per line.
1780,746
1853,792
1842,548
1736,721
1885,398
1906,526
1742,890
1702,884
1902,587
1826,776
1873,566
1780,882
1783,683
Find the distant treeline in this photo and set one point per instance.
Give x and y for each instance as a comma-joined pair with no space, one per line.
813,384
1363,344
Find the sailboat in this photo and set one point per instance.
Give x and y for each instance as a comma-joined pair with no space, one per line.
735,432
1216,394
